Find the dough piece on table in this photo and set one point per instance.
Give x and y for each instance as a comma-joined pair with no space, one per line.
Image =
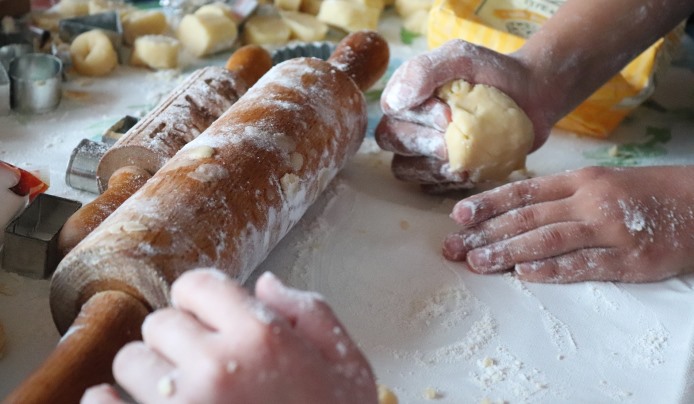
405,8
310,6
305,27
219,8
489,135
386,396
92,53
156,51
266,30
348,15
206,33
143,22
288,5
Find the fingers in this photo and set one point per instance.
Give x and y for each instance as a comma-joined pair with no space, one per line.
410,139
143,373
223,299
591,264
433,113
311,317
474,210
417,79
170,332
544,242
507,225
101,394
424,170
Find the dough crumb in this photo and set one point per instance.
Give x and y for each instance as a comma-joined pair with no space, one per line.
404,224
430,393
386,396
232,366
487,362
165,386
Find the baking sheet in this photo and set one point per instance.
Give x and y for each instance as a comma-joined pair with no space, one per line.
371,245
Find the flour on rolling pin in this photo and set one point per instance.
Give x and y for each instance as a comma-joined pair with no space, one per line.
203,97
228,197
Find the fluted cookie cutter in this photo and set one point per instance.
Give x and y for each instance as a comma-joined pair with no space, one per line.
109,22
84,159
320,50
35,83
31,239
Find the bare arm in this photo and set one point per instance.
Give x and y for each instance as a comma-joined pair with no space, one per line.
584,44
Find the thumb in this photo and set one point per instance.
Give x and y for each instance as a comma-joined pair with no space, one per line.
417,79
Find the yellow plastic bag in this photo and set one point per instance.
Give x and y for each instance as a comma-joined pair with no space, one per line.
503,25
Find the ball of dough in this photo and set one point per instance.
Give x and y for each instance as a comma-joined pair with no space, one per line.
489,135
93,54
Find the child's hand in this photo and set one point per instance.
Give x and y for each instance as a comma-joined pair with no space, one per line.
220,345
603,224
415,120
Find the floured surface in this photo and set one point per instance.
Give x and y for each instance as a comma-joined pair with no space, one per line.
372,247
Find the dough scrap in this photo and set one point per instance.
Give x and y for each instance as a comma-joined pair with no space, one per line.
489,135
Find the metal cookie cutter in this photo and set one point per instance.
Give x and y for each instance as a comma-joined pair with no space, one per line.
35,83
81,169
109,22
320,50
31,240
4,92
13,45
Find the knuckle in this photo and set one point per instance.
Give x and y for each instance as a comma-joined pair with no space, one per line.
525,218
551,238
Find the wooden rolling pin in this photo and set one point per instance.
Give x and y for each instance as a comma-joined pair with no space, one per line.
225,200
190,109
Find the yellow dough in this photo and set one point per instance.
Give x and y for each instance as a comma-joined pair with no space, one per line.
143,22
266,30
348,15
156,51
218,8
489,135
92,54
207,33
304,27
386,396
288,5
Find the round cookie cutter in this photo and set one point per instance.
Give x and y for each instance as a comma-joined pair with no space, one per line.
35,82
9,52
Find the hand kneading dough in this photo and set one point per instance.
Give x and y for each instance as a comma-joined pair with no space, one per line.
156,51
92,54
489,135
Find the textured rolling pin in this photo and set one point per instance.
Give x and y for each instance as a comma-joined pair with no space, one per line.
180,118
225,200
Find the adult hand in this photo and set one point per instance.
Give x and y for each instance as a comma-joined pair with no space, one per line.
593,224
217,344
415,120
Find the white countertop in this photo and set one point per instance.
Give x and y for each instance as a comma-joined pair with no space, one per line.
372,244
